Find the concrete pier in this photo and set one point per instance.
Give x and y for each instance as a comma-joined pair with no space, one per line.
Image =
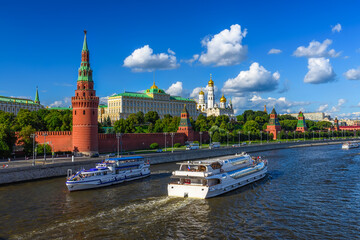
57,169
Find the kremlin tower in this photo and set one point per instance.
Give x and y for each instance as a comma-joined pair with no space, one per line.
301,124
274,124
85,109
185,125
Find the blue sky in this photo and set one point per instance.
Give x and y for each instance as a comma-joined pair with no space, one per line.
314,65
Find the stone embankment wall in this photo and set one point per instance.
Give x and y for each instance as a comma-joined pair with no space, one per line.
10,175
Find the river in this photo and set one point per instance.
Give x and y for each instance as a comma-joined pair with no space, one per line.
309,193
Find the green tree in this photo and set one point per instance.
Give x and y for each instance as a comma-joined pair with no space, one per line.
120,126
251,126
151,117
40,149
7,140
25,140
216,137
140,117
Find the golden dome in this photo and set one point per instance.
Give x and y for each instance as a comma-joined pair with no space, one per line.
223,99
211,82
201,92
154,86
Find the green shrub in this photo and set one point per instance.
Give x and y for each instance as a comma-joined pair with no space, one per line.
177,145
154,145
196,142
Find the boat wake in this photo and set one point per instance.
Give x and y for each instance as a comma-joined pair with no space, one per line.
124,218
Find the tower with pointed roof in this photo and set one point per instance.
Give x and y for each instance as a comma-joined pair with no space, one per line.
274,124
336,125
37,99
301,124
265,108
211,94
185,125
85,108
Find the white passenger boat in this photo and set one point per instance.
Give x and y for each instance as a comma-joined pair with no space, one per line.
348,145
110,171
209,178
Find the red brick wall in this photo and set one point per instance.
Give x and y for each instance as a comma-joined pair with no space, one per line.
134,141
61,140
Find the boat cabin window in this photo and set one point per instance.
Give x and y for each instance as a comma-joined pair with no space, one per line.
215,165
193,168
212,182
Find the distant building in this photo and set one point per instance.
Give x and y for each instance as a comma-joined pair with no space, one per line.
301,124
153,99
13,105
315,116
211,108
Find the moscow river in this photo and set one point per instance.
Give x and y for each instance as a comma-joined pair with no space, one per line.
309,193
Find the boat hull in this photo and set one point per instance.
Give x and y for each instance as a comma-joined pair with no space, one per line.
197,191
96,183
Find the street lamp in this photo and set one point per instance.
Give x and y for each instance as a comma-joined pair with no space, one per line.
227,135
45,134
172,141
239,138
313,136
118,135
200,137
294,135
210,138
33,136
249,136
261,137
287,136
304,135
279,135
267,136
165,133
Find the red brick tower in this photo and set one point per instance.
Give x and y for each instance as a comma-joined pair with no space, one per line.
336,125
301,124
185,125
85,109
273,125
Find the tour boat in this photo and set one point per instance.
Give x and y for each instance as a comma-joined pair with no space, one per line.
348,145
209,178
110,171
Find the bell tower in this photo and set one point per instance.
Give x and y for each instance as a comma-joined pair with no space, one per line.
85,108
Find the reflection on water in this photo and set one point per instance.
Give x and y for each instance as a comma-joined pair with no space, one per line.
308,193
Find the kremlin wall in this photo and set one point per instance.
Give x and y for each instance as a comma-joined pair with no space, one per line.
85,138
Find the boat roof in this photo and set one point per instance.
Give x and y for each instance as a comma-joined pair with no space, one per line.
212,160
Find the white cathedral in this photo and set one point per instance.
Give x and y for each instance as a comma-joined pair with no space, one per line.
212,108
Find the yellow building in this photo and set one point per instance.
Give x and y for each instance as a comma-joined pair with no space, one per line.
153,99
13,105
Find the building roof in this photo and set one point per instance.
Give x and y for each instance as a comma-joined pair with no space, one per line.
85,47
17,100
273,111
223,99
211,82
61,108
37,100
145,95
103,106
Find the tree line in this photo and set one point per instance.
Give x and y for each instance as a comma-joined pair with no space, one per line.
250,125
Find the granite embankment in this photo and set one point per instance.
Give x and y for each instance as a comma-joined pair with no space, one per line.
28,173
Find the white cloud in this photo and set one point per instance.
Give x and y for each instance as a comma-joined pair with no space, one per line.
193,59
320,71
336,28
316,49
256,79
274,51
224,48
143,59
339,105
323,108
63,84
66,102
176,89
353,74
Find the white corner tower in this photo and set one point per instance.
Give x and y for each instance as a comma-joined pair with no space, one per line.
211,95
201,104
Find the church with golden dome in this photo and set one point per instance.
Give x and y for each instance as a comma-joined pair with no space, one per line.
210,108
152,99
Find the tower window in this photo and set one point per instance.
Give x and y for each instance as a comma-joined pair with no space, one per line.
84,94
93,112
84,112
75,112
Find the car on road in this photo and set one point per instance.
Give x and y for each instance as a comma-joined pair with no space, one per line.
236,145
111,155
159,150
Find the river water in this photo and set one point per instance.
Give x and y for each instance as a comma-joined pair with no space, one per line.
309,193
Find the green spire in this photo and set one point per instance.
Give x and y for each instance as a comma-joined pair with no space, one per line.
85,47
37,100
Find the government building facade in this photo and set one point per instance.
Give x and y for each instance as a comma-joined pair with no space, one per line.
13,105
153,99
